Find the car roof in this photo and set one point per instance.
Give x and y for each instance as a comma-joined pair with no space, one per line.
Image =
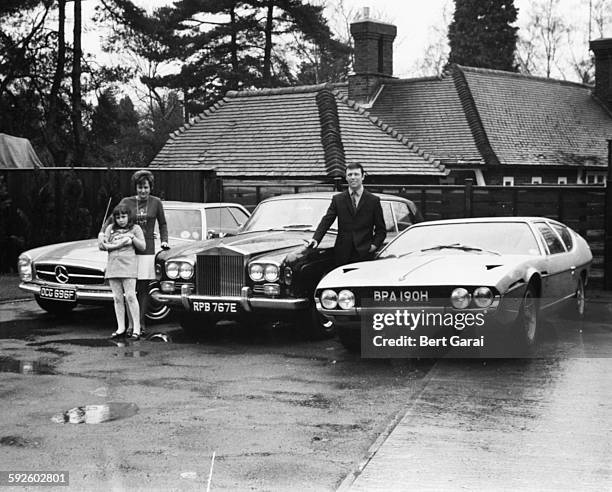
487,219
328,195
198,205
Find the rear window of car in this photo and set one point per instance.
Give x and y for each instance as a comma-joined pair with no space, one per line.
554,244
565,234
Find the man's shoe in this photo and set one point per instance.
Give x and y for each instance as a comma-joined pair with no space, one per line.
134,336
117,334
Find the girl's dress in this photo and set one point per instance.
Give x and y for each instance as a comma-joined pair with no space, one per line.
122,262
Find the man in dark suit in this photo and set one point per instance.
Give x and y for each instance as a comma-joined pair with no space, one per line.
361,225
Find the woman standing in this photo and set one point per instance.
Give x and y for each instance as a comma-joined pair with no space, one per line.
146,209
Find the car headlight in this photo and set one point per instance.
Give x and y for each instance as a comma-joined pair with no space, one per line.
24,267
256,272
483,297
346,299
271,273
329,299
186,270
172,269
460,298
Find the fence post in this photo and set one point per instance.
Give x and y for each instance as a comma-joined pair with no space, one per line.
469,195
607,225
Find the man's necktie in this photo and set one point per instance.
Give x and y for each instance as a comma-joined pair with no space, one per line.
354,198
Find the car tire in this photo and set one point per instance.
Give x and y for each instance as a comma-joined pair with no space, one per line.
197,325
156,311
57,308
527,322
350,338
315,326
577,308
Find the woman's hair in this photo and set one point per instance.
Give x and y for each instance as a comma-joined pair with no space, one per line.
123,209
141,176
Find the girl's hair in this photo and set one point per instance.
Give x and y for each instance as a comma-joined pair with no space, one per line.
123,209
141,176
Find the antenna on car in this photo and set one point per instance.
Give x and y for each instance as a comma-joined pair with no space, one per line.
106,213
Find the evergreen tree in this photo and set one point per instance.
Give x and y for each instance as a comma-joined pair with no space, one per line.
481,34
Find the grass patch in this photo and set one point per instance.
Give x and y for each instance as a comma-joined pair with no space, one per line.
9,287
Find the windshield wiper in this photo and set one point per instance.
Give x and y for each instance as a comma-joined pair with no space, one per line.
393,255
298,226
461,247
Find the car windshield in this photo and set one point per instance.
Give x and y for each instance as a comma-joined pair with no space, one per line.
183,224
298,214
507,238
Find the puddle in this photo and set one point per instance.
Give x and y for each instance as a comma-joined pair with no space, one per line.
19,442
9,364
52,350
82,342
96,414
134,353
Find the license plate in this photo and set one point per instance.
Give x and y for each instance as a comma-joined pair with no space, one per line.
400,296
218,307
68,295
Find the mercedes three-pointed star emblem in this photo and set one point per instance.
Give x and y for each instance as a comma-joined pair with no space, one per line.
61,274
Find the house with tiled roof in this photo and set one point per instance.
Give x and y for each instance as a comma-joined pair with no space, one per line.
492,126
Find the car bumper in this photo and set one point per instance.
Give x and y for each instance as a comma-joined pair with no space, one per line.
84,294
246,301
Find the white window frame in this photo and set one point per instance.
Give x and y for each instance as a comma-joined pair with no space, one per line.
562,180
536,180
509,180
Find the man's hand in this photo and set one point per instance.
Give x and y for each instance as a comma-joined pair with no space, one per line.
312,244
165,245
372,248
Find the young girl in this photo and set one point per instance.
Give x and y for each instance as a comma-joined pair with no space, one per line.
121,239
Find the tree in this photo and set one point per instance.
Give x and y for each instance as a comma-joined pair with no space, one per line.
481,34
437,50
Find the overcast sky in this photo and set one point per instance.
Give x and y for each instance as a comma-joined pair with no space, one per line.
413,18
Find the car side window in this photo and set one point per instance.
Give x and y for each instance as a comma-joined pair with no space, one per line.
565,234
239,215
402,215
550,238
218,219
388,215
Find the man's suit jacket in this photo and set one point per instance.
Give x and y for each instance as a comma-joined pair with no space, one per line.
357,230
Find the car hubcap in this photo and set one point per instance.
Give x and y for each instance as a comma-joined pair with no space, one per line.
156,310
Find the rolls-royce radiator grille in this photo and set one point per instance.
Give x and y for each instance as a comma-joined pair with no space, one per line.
67,274
220,275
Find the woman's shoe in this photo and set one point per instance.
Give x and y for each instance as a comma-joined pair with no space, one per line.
134,336
117,334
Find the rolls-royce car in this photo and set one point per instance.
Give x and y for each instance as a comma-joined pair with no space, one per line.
63,275
265,271
461,278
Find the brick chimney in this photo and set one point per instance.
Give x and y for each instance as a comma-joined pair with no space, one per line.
602,48
373,56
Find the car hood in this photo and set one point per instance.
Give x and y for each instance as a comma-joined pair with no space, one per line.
83,253
427,269
270,244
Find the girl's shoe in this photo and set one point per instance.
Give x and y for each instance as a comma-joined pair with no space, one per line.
134,336
117,334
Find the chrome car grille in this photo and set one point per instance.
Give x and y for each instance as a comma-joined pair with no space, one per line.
68,274
220,275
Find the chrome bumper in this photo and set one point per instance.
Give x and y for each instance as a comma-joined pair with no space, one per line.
247,302
83,294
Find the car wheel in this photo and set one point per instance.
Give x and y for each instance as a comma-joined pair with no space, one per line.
350,338
55,307
156,311
527,321
197,325
578,306
315,326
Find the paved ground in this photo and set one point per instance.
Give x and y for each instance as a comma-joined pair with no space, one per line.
533,424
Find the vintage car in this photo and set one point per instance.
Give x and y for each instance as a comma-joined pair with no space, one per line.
497,272
63,275
265,271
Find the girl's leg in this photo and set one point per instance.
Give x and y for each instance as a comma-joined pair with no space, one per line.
129,285
116,286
